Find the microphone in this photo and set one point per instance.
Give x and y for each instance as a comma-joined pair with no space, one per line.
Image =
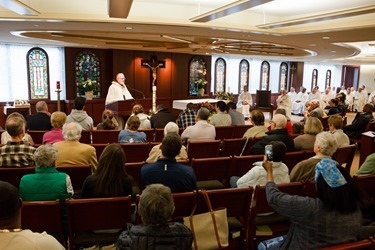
138,91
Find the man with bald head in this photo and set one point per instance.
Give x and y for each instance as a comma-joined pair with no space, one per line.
41,120
118,90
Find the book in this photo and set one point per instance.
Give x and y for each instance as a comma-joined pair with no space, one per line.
263,230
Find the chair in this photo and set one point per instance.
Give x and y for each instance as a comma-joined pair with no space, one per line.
251,142
292,158
366,184
88,215
37,135
345,155
78,174
134,170
239,130
278,224
203,149
324,121
224,132
184,204
212,173
149,134
14,175
263,102
242,164
231,147
369,127
85,137
159,135
362,244
99,149
105,136
40,216
237,202
309,189
135,152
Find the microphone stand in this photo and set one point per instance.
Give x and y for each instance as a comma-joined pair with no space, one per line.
138,91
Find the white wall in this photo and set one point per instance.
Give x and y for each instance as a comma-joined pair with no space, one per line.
367,77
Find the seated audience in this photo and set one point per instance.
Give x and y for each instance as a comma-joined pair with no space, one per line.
143,118
187,117
312,110
258,129
5,137
110,179
155,152
221,118
257,174
55,135
161,117
202,130
47,184
368,166
79,115
288,123
245,101
167,171
71,151
335,127
360,121
156,207
332,108
109,121
40,120
12,236
16,153
313,126
131,133
332,218
298,106
324,147
278,133
237,117
284,102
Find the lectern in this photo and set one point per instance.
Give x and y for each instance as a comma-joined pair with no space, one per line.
124,108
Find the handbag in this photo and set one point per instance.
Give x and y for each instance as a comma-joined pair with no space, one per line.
210,229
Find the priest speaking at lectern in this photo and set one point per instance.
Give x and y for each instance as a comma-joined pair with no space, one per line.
118,90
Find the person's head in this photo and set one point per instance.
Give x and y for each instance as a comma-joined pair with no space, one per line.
314,104
257,117
282,112
325,143
283,92
203,114
335,122
315,89
72,131
368,108
133,123
304,90
156,204
137,109
111,171
335,187
292,89
58,119
333,102
171,145
190,106
108,120
232,106
221,106
245,88
10,206
278,150
313,126
278,122
41,106
327,91
171,127
120,78
15,126
79,103
352,89
45,156
160,107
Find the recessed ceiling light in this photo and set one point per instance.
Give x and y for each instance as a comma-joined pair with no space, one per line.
36,25
128,28
333,51
326,37
312,45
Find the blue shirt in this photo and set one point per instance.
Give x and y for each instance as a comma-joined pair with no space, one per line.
126,136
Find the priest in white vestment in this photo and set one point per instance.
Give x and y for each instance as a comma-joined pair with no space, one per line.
245,101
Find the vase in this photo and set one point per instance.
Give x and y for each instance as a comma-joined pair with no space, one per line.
201,92
89,95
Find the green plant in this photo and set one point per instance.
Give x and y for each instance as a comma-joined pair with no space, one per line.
224,96
200,82
87,85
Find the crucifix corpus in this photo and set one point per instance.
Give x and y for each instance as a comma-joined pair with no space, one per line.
153,64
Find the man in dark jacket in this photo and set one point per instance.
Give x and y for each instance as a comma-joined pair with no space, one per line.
360,121
162,117
41,120
278,133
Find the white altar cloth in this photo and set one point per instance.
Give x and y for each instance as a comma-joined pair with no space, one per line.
181,104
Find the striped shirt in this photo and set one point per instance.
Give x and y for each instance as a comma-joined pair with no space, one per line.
16,154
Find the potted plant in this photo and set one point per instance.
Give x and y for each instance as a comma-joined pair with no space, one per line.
201,82
88,88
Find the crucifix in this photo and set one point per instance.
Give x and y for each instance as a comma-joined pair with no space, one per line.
293,68
153,64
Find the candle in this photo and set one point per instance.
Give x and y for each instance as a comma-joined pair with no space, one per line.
57,84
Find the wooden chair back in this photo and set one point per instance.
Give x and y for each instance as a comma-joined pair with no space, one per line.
366,184
309,189
292,158
99,149
224,132
135,152
345,155
242,164
230,147
134,170
159,135
203,149
239,130
13,175
184,204
105,136
37,135
249,144
88,215
40,216
85,137
149,134
77,173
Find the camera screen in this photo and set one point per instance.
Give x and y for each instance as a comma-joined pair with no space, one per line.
268,151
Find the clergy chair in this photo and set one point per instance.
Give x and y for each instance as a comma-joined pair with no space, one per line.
263,102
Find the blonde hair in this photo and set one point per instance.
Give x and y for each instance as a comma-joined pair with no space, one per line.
313,126
58,119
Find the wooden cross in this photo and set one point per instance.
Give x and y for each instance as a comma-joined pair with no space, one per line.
153,64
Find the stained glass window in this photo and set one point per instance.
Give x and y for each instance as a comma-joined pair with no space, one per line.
220,67
328,79
87,69
38,75
196,69
314,78
283,76
244,75
264,75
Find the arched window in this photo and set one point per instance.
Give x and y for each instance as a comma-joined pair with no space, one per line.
38,74
220,68
283,76
197,65
244,75
314,79
87,69
264,75
328,79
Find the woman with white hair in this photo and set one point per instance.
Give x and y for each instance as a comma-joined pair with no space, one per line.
155,152
47,183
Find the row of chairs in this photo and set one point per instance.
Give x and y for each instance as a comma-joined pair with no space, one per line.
243,205
153,135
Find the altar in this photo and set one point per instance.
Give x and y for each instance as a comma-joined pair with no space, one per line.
181,104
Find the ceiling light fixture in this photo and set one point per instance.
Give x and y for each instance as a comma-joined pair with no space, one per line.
19,7
176,39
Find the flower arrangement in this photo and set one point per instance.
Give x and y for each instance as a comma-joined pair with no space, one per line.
200,82
224,96
208,106
88,85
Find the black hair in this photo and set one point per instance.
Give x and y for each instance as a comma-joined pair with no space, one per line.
232,105
278,150
79,102
222,106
